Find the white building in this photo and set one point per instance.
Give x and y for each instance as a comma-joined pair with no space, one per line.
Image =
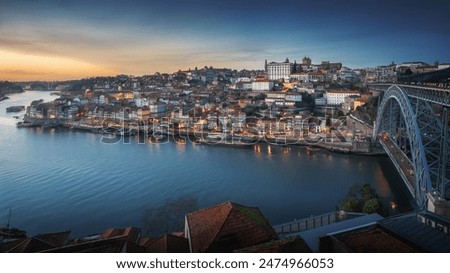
246,85
275,97
277,71
302,76
308,90
262,85
293,97
336,97
443,66
283,99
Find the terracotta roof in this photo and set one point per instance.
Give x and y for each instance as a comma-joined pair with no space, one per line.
427,67
373,240
118,244
168,244
226,227
287,245
146,241
316,73
131,233
300,73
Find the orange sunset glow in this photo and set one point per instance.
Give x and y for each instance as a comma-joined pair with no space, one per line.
27,67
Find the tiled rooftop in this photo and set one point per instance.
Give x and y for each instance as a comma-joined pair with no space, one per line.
226,227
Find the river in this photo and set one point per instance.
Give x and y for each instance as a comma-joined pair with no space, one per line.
57,179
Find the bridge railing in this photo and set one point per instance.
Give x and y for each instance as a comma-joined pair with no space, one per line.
315,221
435,95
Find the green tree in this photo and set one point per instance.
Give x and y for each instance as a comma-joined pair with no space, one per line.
362,199
351,205
372,205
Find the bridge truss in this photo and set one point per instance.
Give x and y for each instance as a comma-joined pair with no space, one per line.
416,119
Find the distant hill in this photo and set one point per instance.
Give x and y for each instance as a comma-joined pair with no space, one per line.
9,87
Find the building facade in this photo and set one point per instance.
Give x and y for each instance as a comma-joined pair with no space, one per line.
337,97
262,85
277,71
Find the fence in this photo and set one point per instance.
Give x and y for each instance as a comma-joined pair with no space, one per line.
315,221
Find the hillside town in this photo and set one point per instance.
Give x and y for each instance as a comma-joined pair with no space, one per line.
327,104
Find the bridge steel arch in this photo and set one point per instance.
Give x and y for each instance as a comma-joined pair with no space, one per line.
396,105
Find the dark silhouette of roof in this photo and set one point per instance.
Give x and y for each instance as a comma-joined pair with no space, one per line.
131,233
36,243
418,231
118,244
226,227
287,245
372,239
422,229
168,243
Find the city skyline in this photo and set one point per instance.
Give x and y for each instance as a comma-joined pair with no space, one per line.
59,40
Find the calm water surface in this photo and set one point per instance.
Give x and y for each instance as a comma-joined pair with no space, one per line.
55,179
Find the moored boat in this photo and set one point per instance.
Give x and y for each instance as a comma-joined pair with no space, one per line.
15,108
23,124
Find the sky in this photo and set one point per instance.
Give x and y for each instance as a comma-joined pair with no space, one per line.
61,40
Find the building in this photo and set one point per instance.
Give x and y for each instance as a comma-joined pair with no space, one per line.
283,99
331,67
320,101
417,231
244,85
306,61
443,66
300,76
157,109
426,68
275,97
279,71
227,227
337,97
352,102
167,243
316,77
262,85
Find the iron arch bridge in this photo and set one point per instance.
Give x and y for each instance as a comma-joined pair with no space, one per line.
412,125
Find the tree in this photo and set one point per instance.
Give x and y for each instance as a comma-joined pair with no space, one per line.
169,217
351,205
371,205
362,199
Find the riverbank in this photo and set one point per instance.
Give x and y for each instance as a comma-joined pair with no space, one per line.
332,145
